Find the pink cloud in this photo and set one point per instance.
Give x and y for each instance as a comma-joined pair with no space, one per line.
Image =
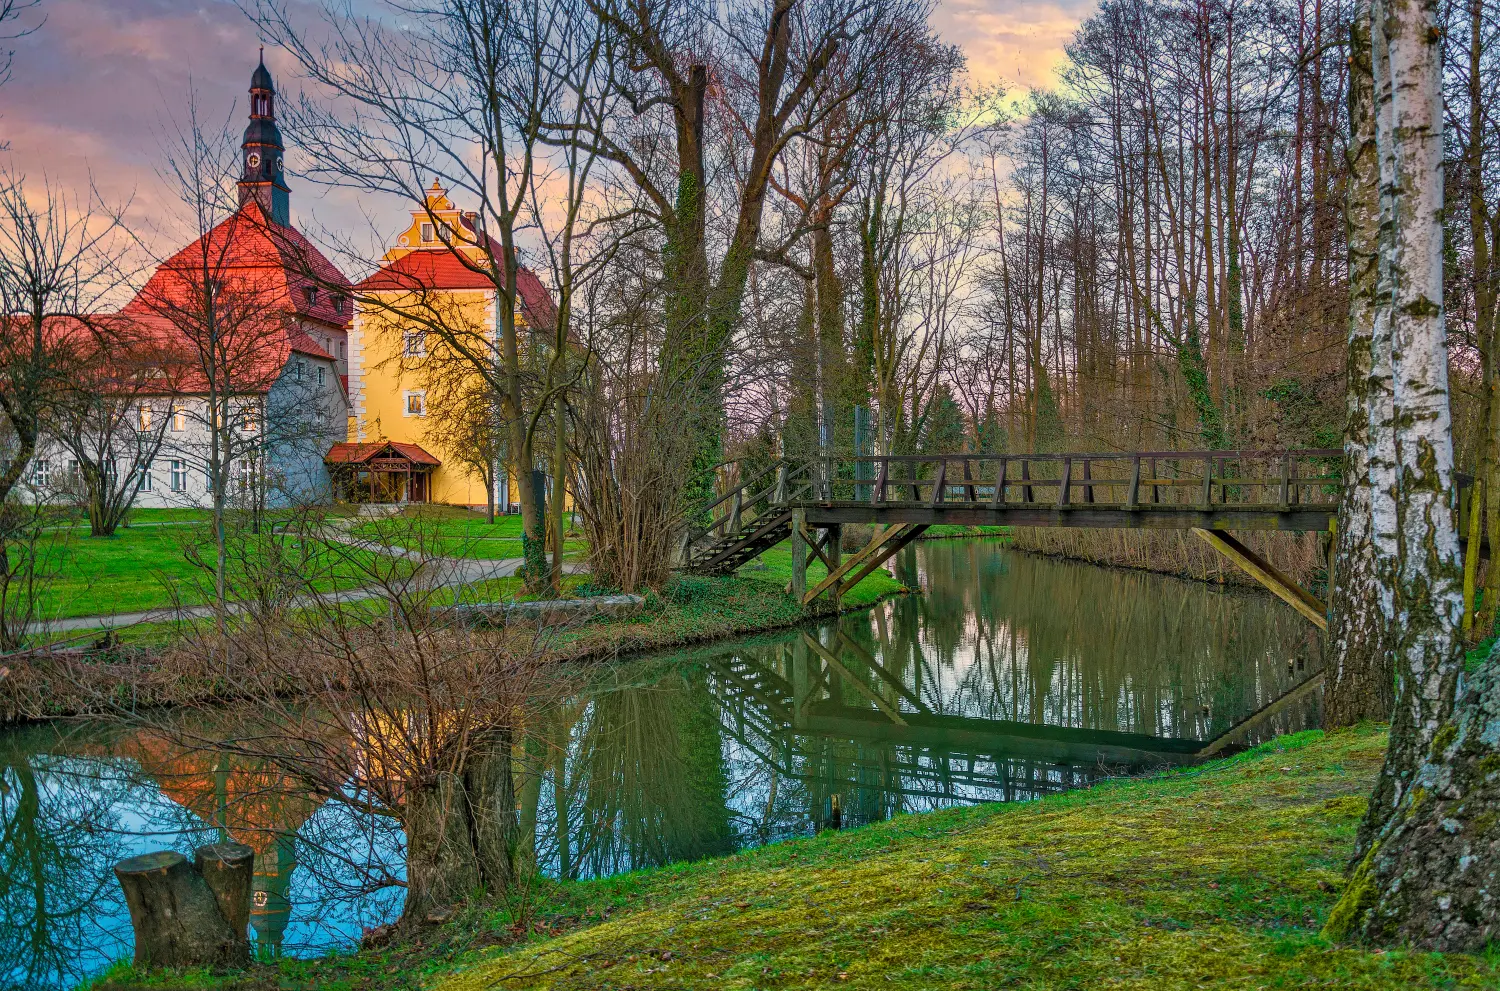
1016,42
97,88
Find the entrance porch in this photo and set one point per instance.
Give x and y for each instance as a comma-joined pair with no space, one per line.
381,472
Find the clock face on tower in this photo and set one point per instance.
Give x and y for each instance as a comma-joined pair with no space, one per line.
254,160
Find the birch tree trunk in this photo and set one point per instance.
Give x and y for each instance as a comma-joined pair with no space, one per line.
1429,582
1360,683
1431,871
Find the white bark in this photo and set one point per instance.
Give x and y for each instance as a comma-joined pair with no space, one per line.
1428,589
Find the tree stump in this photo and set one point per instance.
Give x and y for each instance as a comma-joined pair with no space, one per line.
229,871
189,913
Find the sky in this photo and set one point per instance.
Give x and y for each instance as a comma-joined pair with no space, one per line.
99,87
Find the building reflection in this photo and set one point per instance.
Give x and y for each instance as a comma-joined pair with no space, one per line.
241,801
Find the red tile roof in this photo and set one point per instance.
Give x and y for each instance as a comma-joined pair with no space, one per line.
441,268
274,279
144,354
252,255
358,454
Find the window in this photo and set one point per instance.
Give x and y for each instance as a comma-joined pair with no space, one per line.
179,419
338,302
320,417
75,475
416,404
143,478
246,477
416,343
179,476
297,368
311,292
41,472
426,233
341,351
247,419
143,418
320,375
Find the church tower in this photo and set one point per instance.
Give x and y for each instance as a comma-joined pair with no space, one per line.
260,152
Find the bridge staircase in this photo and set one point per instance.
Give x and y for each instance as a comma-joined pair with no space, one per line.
748,520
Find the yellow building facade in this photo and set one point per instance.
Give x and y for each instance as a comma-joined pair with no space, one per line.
407,384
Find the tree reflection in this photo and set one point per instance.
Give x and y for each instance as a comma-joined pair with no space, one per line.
58,842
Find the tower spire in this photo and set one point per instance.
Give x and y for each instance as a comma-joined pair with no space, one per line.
261,178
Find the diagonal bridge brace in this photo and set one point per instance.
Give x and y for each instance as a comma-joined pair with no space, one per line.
853,571
1263,571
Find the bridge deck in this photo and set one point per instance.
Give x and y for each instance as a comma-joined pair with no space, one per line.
1097,515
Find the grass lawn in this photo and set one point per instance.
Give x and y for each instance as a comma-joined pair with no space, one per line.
453,532
1217,877
142,568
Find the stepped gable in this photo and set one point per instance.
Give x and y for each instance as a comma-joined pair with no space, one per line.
424,262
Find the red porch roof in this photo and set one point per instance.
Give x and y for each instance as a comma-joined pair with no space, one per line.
358,454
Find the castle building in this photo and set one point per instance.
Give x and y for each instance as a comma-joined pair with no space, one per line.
252,317
412,435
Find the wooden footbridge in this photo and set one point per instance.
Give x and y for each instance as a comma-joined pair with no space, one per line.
1208,492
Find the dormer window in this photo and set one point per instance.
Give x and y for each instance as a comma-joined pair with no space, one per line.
338,303
427,237
311,292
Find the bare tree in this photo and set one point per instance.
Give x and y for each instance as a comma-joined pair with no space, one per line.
58,257
1360,683
117,417
460,93
390,704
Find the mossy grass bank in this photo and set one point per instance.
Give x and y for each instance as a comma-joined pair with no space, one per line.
1214,877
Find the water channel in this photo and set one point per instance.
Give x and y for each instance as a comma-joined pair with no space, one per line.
1011,677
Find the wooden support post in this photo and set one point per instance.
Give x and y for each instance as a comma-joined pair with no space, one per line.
1285,502
971,491
1208,482
1025,477
1268,575
1065,484
1133,494
799,554
781,484
941,482
911,474
735,508
1088,481
835,558
999,497
877,494
1155,494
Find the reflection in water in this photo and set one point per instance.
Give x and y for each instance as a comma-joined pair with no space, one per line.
1012,677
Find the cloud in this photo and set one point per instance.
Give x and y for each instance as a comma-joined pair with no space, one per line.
99,89
1016,42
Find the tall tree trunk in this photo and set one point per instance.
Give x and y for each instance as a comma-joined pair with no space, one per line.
1360,682
1428,586
1484,315
442,866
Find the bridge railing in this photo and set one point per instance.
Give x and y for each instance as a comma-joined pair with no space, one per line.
1134,480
